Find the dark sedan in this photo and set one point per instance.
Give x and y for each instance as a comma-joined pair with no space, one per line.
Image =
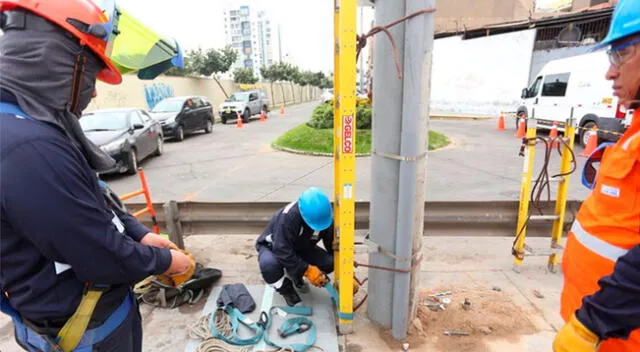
181,115
128,135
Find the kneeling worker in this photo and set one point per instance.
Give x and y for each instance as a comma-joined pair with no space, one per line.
288,249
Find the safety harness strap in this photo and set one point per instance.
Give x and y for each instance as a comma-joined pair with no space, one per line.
335,298
291,326
71,333
237,318
7,108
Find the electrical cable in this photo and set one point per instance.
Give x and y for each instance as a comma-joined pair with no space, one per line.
362,39
542,182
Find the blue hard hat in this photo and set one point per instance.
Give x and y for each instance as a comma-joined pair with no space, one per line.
625,22
315,208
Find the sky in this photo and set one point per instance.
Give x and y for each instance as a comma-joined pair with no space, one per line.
306,25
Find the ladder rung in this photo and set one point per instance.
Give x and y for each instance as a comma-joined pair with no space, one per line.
544,217
542,252
552,180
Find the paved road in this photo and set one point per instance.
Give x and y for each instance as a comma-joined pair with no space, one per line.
234,164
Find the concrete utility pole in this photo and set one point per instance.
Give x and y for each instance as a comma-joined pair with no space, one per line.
400,130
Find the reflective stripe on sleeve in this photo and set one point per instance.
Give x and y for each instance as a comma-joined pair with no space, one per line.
595,244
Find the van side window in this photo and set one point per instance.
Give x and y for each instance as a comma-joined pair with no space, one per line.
535,88
555,85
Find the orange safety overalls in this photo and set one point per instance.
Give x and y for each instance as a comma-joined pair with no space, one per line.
606,227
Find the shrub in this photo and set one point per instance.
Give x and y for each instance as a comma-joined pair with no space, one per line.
322,117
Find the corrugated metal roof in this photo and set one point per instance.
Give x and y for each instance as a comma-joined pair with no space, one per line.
599,11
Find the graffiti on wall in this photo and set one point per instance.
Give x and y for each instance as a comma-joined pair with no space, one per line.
156,92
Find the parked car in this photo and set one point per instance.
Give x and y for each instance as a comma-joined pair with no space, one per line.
129,135
247,104
327,95
180,116
576,83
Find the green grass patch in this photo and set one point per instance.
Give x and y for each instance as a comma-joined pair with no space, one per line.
437,140
307,139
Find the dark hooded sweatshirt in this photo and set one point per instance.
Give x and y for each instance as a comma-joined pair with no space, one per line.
57,231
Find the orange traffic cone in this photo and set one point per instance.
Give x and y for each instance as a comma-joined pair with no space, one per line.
262,116
521,128
592,142
282,110
554,134
239,123
500,126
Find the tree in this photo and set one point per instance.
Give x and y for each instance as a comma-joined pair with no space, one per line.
176,72
291,74
327,82
211,62
269,74
244,76
277,72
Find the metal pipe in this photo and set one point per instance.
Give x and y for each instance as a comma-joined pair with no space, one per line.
416,82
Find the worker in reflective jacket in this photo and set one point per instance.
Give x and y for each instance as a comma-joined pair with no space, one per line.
600,299
68,260
288,251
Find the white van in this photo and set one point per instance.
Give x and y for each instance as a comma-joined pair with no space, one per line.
576,82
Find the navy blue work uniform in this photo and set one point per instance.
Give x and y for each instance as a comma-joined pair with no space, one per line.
58,233
289,244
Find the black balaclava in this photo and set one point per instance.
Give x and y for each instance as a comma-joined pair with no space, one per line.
38,69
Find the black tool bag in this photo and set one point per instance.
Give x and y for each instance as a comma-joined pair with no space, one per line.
158,294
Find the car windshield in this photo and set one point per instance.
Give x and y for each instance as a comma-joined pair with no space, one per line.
168,105
104,121
238,97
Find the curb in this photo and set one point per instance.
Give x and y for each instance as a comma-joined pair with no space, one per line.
328,155
461,118
301,152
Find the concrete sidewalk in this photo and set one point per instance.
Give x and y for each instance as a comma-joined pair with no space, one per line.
512,319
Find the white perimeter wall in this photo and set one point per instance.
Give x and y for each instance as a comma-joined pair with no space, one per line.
480,76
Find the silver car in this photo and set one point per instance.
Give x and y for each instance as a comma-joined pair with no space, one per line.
247,104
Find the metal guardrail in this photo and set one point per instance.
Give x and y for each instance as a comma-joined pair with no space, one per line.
492,219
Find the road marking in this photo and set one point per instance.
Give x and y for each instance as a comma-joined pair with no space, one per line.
189,196
265,149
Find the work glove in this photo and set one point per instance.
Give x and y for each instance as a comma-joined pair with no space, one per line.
178,279
575,337
316,276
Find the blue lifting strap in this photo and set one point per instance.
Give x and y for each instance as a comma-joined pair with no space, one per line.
335,298
291,326
237,318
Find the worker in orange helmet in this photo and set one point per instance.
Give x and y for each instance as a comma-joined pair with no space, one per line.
600,300
68,260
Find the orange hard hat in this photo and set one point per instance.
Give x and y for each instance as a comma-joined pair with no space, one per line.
84,19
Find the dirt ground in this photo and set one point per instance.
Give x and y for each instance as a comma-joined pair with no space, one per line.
491,315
